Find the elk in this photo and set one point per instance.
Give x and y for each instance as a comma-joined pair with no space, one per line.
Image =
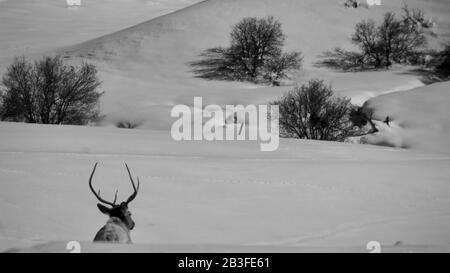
119,224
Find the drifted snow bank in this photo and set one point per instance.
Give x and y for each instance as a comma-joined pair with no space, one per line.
420,118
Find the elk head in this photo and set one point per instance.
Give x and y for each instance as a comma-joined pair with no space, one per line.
118,212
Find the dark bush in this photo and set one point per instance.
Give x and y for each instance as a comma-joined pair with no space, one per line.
255,54
128,124
50,92
313,112
393,41
443,62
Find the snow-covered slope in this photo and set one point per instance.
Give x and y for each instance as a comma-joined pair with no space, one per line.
311,26
146,69
36,26
421,118
221,195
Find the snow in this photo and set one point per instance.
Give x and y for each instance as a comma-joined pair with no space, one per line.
148,64
33,27
420,117
145,68
220,196
225,194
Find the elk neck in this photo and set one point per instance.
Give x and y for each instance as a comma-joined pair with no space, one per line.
116,221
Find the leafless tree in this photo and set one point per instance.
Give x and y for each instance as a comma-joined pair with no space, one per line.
50,92
392,41
313,112
255,53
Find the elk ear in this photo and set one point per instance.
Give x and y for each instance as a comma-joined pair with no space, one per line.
103,209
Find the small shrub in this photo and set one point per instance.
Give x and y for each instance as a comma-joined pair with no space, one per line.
313,112
127,125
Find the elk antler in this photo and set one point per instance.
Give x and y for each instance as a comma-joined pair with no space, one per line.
134,194
98,194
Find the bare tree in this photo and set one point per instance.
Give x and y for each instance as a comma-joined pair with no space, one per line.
254,41
50,92
313,112
18,98
366,37
255,53
392,41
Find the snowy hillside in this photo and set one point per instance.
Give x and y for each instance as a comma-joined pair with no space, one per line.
146,67
36,26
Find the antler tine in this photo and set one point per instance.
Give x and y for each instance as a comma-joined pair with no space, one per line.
132,196
115,197
93,191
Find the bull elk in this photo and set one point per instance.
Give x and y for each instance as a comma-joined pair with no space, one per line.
119,224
